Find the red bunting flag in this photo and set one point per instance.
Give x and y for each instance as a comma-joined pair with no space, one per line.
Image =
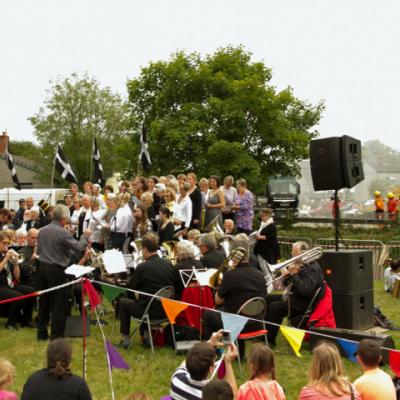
94,298
394,361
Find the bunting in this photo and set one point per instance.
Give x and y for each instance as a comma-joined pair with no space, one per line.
110,292
294,337
116,360
94,298
234,323
394,361
144,155
173,308
349,347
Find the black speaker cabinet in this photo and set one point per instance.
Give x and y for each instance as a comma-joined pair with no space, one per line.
74,327
347,271
355,310
383,340
336,163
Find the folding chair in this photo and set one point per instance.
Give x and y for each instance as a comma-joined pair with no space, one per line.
305,317
167,292
252,308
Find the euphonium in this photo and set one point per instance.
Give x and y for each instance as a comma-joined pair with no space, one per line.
170,247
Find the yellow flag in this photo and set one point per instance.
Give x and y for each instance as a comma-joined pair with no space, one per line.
172,308
294,337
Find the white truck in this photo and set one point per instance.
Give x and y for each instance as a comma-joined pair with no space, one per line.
9,197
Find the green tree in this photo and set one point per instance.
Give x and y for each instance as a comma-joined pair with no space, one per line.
221,114
75,111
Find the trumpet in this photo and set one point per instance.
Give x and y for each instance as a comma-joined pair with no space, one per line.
15,257
303,259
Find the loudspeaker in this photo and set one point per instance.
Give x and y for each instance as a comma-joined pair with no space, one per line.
347,271
354,310
335,163
74,327
383,340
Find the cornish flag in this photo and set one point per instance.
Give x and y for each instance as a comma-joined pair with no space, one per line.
62,166
10,165
144,150
98,168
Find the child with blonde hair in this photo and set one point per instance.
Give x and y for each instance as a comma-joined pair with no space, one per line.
7,371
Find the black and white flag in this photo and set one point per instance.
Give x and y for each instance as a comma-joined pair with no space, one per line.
62,166
11,167
98,168
144,150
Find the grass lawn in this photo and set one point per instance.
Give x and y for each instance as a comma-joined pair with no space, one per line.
151,373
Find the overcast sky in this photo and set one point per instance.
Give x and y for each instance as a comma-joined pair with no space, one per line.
345,52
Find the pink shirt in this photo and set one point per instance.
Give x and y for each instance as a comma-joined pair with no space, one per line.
311,393
257,389
6,395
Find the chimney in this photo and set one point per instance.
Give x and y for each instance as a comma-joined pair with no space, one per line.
3,142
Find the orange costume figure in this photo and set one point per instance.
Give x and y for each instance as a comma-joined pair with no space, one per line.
379,205
391,204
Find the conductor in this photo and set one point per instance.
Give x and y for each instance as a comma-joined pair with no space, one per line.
54,247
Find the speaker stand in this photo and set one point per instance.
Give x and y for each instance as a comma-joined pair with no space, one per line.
337,218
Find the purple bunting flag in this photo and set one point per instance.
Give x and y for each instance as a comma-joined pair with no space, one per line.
116,360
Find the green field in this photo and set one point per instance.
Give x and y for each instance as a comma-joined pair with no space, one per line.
151,373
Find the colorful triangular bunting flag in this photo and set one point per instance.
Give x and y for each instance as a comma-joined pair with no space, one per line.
173,308
394,361
110,293
94,298
234,323
349,347
116,360
294,337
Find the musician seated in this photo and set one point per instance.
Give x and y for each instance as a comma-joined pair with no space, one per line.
239,284
302,282
229,227
30,265
150,276
19,311
185,260
211,257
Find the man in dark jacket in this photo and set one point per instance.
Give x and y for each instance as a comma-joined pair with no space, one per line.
211,257
150,276
303,281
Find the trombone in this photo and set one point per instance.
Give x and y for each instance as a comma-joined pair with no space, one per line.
303,259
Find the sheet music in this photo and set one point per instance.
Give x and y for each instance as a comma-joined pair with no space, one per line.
203,277
114,262
78,270
130,261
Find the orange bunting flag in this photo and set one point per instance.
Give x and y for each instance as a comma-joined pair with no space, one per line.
294,337
173,308
394,361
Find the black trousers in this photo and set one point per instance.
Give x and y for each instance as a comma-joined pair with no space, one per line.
53,304
277,310
19,311
117,240
131,308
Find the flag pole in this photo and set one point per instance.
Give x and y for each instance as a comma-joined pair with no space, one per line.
52,180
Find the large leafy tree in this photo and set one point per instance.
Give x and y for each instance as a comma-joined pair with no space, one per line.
75,111
221,114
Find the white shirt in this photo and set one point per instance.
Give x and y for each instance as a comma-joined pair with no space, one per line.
101,201
183,211
122,221
230,197
95,222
